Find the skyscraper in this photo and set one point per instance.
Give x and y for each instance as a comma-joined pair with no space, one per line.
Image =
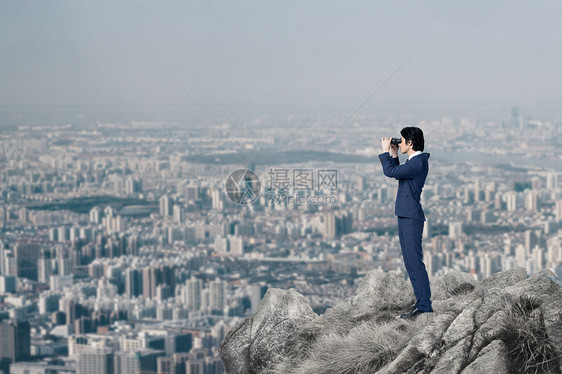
179,213
95,361
15,341
133,283
558,210
218,294
511,201
336,223
193,290
96,215
166,206
477,190
191,193
551,181
26,255
532,200
455,229
136,362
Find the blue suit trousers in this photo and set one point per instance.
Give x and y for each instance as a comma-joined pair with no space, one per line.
410,234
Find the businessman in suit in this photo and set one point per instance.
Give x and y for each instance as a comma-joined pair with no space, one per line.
411,178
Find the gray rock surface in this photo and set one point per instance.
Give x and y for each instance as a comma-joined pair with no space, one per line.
492,359
463,335
505,278
252,345
379,290
454,283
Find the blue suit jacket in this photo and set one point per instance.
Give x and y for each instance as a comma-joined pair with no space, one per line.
411,178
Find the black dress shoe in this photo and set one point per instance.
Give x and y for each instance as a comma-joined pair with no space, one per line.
414,313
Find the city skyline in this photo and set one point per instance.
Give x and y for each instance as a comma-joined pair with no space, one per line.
165,165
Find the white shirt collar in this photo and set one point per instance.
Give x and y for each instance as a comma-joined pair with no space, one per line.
414,154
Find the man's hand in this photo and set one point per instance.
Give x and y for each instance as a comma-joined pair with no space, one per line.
385,144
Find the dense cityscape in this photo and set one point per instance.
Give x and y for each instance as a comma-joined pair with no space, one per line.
123,250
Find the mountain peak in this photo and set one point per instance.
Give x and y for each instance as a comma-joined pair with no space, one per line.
508,323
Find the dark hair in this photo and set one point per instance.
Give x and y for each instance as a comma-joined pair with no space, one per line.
414,134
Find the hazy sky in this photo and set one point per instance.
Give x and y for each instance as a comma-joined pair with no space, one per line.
77,53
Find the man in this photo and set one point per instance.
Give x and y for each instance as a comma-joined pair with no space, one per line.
411,178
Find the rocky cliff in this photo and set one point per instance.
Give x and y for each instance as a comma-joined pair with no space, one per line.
508,323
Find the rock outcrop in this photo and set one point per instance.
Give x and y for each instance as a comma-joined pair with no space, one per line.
508,323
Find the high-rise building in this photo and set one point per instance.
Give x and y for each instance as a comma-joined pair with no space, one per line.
231,245
152,277
44,270
498,202
511,201
133,245
3,216
558,210
179,213
165,365
531,241
192,296
53,234
118,186
329,224
474,215
136,362
8,262
8,284
468,195
26,255
336,223
15,341
477,190
554,250
382,193
532,200
360,183
133,186
488,195
217,199
538,255
178,342
166,206
236,245
191,193
63,234
535,183
64,266
455,230
218,294
507,247
485,265
96,215
488,216
95,361
520,255
133,283
3,255
551,181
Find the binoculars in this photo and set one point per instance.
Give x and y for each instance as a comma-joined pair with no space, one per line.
395,141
